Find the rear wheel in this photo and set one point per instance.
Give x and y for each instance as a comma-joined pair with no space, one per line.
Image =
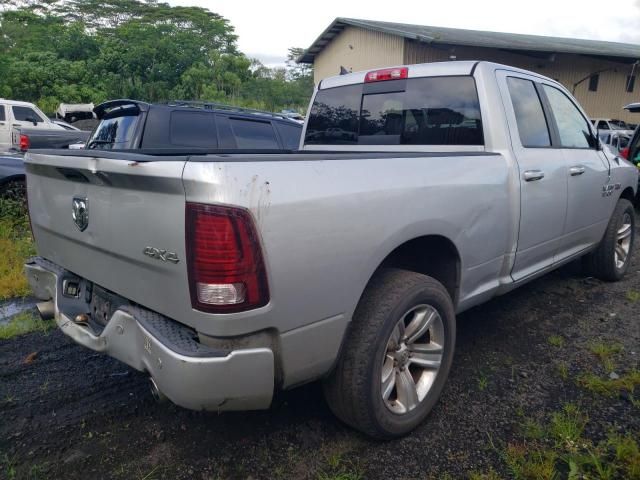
396,356
611,259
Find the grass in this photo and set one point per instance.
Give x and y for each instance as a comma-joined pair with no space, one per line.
338,468
9,467
556,341
558,450
563,369
22,323
608,387
16,244
483,381
633,296
606,353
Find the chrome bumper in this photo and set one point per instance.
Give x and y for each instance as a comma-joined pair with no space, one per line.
190,375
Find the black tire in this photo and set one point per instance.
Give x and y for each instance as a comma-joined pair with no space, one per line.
354,389
601,263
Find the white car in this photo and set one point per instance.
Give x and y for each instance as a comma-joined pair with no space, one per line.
611,124
15,114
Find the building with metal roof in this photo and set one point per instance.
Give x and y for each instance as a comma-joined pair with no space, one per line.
602,75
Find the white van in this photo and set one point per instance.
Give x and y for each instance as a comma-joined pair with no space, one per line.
20,114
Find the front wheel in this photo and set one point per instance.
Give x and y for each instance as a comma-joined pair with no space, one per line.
611,259
396,357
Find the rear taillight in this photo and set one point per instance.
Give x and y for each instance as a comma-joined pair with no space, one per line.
624,153
24,143
386,74
226,268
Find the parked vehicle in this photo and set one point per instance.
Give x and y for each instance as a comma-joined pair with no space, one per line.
14,114
72,112
603,124
614,141
130,124
12,177
229,276
65,125
23,139
630,151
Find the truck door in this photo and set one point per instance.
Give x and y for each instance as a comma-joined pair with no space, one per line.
542,172
589,203
5,129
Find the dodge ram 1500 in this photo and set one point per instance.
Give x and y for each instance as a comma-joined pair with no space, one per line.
419,192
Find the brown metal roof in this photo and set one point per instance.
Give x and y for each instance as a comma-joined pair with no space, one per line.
477,38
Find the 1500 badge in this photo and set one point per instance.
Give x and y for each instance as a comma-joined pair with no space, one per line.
160,254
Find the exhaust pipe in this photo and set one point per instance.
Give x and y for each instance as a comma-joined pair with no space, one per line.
157,395
46,310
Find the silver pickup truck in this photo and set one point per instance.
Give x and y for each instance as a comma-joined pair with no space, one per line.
420,191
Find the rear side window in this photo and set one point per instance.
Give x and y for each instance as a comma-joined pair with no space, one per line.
25,114
193,129
418,111
573,128
253,134
290,135
532,125
3,115
115,132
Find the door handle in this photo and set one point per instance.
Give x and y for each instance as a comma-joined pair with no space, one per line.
533,175
577,170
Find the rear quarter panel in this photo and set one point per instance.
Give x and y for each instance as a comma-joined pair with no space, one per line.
326,225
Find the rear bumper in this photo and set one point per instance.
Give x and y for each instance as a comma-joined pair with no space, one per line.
190,374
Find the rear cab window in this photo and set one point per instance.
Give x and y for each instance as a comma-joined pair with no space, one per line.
414,111
116,129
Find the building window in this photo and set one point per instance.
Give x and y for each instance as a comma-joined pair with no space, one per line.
631,82
593,82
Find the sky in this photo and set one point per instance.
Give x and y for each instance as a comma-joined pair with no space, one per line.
266,29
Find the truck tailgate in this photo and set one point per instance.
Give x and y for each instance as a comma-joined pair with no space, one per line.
131,207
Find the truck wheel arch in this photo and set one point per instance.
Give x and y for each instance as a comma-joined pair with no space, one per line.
433,255
628,194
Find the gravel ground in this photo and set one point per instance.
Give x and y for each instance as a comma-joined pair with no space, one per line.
66,412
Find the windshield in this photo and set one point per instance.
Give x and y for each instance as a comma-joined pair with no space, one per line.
619,125
115,132
416,111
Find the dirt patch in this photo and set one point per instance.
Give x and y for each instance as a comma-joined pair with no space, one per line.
71,413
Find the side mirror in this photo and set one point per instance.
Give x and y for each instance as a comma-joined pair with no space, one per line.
32,120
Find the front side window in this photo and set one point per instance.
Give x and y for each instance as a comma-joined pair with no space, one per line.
602,125
418,111
25,114
573,128
532,125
